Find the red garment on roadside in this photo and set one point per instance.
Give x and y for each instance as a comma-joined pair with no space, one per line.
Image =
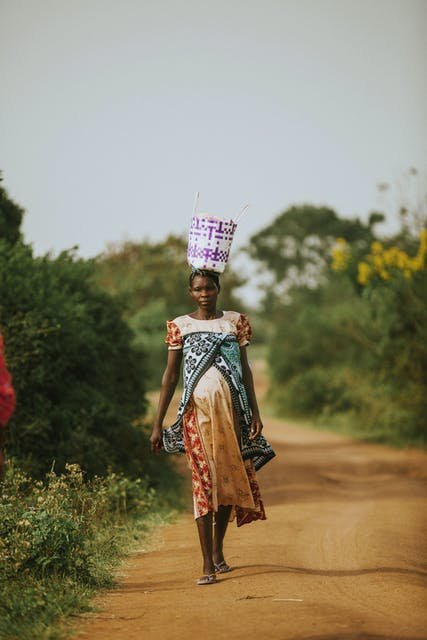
7,393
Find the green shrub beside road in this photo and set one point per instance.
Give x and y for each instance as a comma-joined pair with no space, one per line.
83,486
347,346
79,381
60,540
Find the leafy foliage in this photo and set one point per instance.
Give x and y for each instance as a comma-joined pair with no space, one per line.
80,385
79,381
398,320
49,527
321,328
295,249
61,538
11,215
352,346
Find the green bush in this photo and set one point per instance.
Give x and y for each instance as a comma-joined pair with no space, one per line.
56,526
321,328
317,391
149,327
80,382
60,539
398,322
307,391
343,353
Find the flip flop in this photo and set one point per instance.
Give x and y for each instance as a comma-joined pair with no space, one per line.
222,567
208,579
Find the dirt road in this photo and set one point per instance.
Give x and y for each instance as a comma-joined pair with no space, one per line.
341,556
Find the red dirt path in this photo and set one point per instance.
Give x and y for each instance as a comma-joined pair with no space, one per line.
341,556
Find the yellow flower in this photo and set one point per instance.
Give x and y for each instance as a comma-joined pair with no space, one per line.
423,242
340,254
389,256
417,263
388,262
402,260
376,247
364,273
377,261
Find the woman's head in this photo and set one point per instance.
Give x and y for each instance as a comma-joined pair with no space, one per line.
211,275
204,288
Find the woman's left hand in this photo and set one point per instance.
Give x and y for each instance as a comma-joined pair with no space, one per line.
256,427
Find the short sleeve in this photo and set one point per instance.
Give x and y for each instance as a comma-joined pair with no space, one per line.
173,337
244,330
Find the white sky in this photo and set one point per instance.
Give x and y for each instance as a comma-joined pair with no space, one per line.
113,113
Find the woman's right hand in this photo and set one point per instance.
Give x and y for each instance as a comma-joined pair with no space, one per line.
156,439
169,382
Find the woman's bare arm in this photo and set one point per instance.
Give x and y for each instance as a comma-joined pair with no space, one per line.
248,381
169,381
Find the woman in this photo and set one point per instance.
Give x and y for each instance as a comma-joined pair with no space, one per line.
219,425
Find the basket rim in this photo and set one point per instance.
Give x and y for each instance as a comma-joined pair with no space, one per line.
212,216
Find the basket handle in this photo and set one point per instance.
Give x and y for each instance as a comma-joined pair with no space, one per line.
196,203
241,212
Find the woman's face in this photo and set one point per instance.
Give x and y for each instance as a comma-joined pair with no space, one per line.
204,292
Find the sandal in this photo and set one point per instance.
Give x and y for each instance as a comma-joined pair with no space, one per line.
222,567
208,579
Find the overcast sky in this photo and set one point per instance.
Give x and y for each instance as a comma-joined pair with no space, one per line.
114,113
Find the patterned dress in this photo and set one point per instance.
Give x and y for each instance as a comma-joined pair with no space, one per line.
214,416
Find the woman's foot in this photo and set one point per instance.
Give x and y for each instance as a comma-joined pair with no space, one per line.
210,578
222,567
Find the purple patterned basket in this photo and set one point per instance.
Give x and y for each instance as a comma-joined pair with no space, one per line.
209,242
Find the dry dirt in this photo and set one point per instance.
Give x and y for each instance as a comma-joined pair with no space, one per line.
340,557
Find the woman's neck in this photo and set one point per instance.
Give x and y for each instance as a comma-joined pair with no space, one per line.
207,314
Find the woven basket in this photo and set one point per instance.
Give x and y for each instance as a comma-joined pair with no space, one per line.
209,242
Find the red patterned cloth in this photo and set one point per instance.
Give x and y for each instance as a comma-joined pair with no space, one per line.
173,336
201,477
244,516
244,330
7,394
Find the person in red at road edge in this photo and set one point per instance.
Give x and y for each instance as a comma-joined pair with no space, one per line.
7,400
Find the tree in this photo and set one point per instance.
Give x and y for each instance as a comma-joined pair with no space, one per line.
11,215
79,380
295,249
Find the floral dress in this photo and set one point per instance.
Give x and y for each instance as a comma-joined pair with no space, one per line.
214,417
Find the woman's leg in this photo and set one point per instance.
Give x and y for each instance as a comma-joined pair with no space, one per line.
204,527
222,518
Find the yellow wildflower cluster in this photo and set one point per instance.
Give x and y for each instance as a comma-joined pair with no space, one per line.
382,262
340,254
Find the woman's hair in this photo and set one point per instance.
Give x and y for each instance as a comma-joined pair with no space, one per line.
205,274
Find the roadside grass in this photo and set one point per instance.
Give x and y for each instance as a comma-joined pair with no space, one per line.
62,540
347,424
352,425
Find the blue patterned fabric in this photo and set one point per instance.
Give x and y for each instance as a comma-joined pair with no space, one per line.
202,350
